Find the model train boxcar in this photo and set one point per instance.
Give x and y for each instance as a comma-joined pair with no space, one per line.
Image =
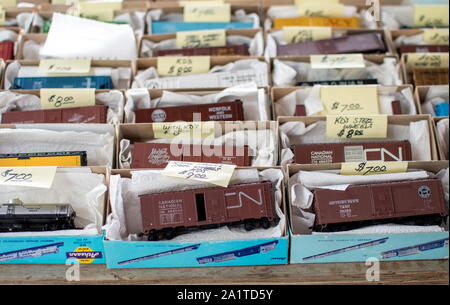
167,214
65,158
418,201
17,217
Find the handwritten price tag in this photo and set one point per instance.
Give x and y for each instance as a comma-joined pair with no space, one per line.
298,2
39,176
8,3
64,66
317,9
356,126
436,36
373,168
349,99
338,61
2,16
204,2
183,130
66,98
178,66
431,16
427,60
207,13
218,174
196,39
295,34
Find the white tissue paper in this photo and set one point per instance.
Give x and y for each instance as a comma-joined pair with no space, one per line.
304,182
231,74
395,17
262,145
417,133
255,44
443,136
83,190
99,147
125,223
74,37
13,101
435,95
255,101
288,73
310,98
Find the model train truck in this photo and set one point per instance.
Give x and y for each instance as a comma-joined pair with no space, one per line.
165,215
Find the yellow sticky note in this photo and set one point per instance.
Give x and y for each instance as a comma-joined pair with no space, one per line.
337,61
67,98
317,9
204,2
218,174
373,167
357,126
436,36
178,66
38,176
2,16
98,14
183,130
431,16
65,66
295,34
8,3
100,5
427,60
324,2
196,39
207,13
349,99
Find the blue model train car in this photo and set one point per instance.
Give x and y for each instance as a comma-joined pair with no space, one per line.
35,83
167,27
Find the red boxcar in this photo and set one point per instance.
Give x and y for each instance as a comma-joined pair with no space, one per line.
417,201
165,214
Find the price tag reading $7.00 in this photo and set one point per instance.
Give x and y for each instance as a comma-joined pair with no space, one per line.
39,176
373,167
218,174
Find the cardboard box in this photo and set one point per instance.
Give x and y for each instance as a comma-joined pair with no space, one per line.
408,72
145,63
167,253
420,94
376,59
277,93
143,132
348,247
442,153
94,63
54,249
392,119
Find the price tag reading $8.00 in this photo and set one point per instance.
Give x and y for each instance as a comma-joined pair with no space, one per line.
373,167
67,98
39,176
356,126
218,174
179,66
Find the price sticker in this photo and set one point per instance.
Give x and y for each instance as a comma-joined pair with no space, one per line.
207,13
349,99
356,126
296,34
196,39
183,130
427,60
299,2
435,36
2,16
65,66
39,176
431,16
337,61
8,3
373,167
66,98
179,66
317,9
218,174
204,2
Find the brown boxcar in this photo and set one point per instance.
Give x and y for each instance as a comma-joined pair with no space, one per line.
158,155
166,214
414,201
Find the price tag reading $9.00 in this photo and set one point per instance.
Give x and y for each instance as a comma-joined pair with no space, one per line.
218,174
373,167
38,176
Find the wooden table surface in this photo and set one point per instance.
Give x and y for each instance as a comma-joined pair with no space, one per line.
400,272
